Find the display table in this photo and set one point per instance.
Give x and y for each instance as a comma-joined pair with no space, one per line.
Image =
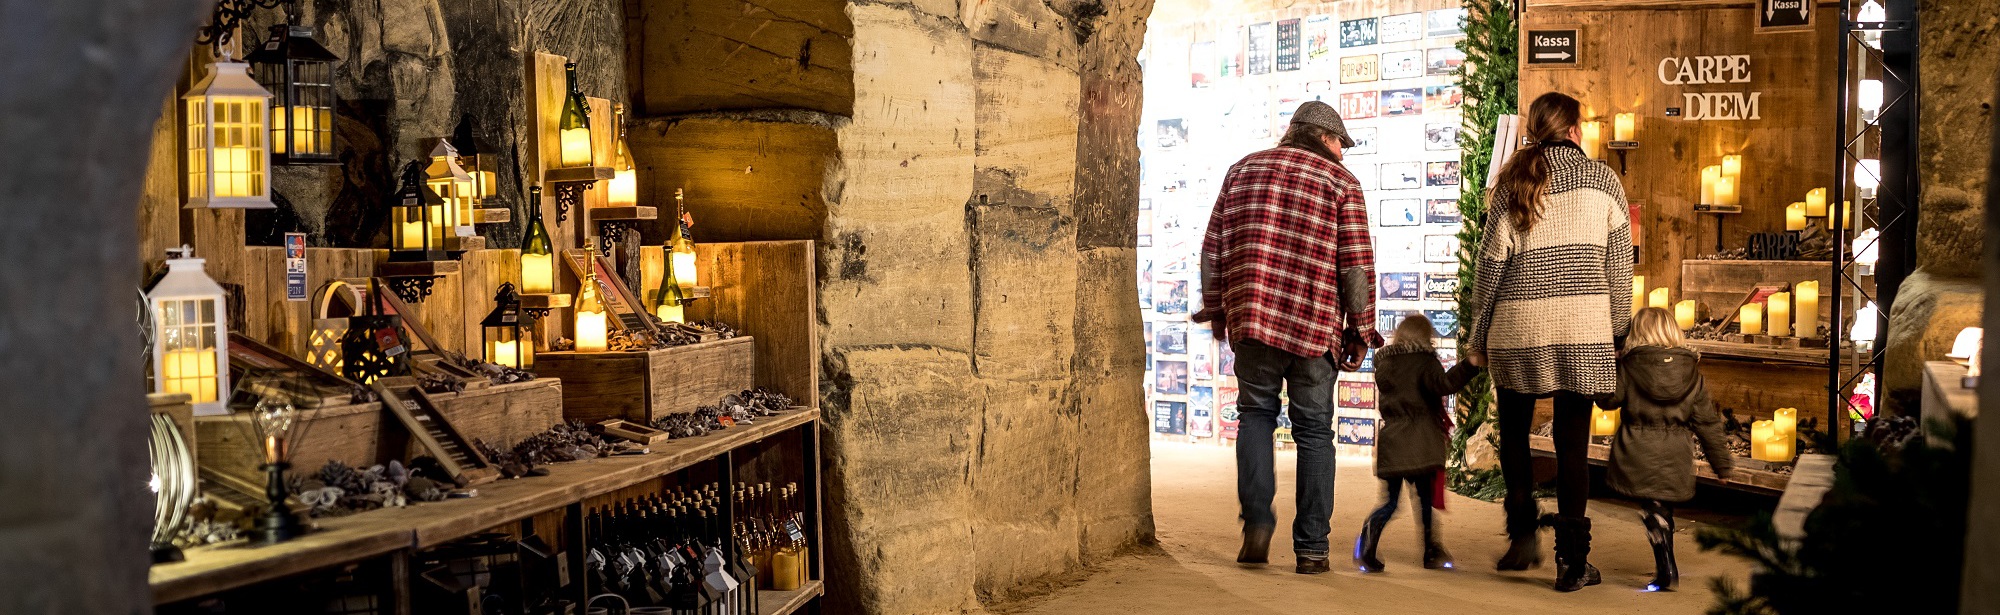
1743,479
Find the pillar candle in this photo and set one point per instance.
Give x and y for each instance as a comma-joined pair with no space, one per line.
1658,299
1779,448
1684,314
1638,293
1732,166
1750,318
575,147
1795,217
191,372
1760,440
1816,203
1623,128
538,274
502,353
1709,174
671,312
1780,307
1805,308
1593,139
1603,422
1785,422
1725,190
590,332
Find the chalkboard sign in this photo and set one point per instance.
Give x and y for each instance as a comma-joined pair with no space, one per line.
1553,47
1784,15
418,414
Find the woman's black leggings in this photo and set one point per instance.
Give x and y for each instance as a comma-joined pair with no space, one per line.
1572,440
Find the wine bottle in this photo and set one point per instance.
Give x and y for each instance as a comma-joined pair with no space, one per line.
538,263
574,127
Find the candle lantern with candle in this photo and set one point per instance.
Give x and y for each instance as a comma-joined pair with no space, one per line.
1816,203
1750,318
1684,314
1638,293
502,334
538,261
453,184
298,71
480,159
591,325
624,186
1795,217
1603,422
416,232
373,347
189,314
228,119
1659,299
1593,139
1805,308
1779,311
573,129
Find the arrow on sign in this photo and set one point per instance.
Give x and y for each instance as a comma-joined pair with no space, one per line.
1553,56
1771,9
1805,10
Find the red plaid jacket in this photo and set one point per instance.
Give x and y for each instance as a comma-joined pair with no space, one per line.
1287,260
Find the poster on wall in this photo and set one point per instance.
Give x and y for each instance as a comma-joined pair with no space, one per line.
1145,228
1440,286
1171,338
1399,249
1442,61
1201,353
1357,33
1354,430
1402,64
1386,320
1364,140
1439,137
1442,97
1400,212
1170,133
1359,69
1355,394
1225,359
1442,211
1398,286
1261,47
1444,321
1318,37
1227,416
1170,377
1229,51
1402,175
1358,105
1170,417
1441,248
1288,45
1445,22
1400,28
1402,102
1367,363
1201,64
1170,296
1201,411
1441,173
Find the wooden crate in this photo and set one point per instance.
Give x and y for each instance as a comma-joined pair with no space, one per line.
642,386
505,413
353,434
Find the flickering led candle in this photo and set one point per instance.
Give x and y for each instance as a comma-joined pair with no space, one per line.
1623,127
1779,306
503,353
191,372
671,312
538,274
1816,203
1593,139
1638,293
1795,217
1732,166
590,332
1658,299
1684,314
1725,190
575,144
1785,422
1603,422
1779,448
1805,308
1760,440
1709,175
1750,318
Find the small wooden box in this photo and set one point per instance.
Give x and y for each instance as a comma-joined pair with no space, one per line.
354,434
642,386
504,414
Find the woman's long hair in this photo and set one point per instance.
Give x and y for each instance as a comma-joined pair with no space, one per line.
1526,175
1309,137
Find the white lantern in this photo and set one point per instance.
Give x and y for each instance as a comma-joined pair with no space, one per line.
1867,250
1868,176
1871,12
1865,325
450,181
1967,344
1868,96
190,315
228,129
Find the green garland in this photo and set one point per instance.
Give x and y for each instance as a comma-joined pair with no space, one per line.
1489,80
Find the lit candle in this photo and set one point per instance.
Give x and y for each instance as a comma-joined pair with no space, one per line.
1750,318
575,147
1603,422
1593,139
1732,166
191,372
1795,217
590,332
233,171
1622,127
1709,175
671,312
1760,440
502,353
484,179
1684,314
1805,308
1779,448
1785,422
1658,299
1780,317
1816,203
1638,293
1725,189
624,190
684,269
538,274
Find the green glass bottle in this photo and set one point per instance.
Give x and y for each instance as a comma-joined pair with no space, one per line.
538,262
574,129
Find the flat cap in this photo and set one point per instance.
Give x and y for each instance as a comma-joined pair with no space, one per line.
1322,115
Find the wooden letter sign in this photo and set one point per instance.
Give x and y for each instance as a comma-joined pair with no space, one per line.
1553,48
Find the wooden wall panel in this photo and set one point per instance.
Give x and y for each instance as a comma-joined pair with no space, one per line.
1786,152
767,289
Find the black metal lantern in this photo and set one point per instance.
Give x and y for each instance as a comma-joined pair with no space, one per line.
501,334
299,73
373,346
416,220
479,158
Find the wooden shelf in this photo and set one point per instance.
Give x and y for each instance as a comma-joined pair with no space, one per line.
613,214
415,269
578,174
374,533
1757,352
545,301
787,602
1743,478
492,215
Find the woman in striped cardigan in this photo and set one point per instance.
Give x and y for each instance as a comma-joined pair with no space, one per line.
1551,302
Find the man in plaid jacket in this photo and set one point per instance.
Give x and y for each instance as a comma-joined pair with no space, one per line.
1288,279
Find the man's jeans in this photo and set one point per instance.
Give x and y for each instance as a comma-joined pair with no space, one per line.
1261,371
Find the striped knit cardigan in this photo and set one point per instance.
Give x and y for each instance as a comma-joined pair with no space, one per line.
1550,302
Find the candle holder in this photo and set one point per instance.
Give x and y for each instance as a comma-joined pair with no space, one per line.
278,523
1620,147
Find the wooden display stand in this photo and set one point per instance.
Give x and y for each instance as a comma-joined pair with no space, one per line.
643,386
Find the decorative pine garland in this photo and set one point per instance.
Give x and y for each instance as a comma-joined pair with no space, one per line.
1489,80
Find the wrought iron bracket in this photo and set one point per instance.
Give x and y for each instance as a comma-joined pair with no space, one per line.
413,289
569,195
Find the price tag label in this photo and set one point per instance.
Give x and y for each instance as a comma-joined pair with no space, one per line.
792,528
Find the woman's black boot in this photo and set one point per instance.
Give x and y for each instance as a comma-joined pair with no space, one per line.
1573,569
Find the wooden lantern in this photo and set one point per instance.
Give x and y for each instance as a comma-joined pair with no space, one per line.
190,318
478,158
228,119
